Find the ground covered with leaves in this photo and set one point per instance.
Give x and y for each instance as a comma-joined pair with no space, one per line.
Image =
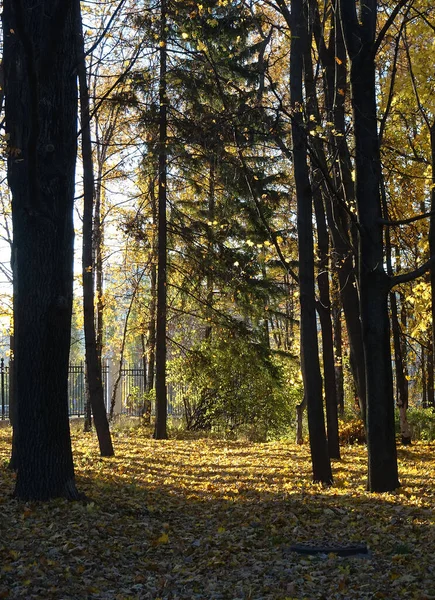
215,520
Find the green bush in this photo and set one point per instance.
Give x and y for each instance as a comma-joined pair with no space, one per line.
422,423
230,385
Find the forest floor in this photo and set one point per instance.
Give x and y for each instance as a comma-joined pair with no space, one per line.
214,520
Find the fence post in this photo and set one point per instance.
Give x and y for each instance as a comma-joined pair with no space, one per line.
2,375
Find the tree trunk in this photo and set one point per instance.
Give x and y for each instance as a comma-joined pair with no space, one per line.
399,363
338,220
98,240
333,58
423,378
123,342
404,346
430,361
338,345
210,279
151,335
146,407
324,303
93,359
324,312
309,344
401,382
87,421
12,403
373,281
299,421
151,341
429,372
160,431
39,62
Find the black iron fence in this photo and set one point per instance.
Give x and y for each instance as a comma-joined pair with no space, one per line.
129,390
77,389
129,398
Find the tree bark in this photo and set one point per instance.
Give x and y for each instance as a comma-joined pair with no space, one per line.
324,303
41,122
338,345
430,361
309,343
98,241
333,58
401,383
374,283
160,431
399,363
211,215
338,220
123,343
423,378
151,339
299,421
93,358
324,312
429,373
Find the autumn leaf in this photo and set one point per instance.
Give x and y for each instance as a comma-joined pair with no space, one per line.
199,518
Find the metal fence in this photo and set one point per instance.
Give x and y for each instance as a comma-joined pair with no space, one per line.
129,397
77,389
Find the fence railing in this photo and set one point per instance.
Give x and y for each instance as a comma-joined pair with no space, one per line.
128,400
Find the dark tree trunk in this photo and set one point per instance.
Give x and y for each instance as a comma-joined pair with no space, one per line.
423,378
144,361
324,303
290,313
401,383
338,345
146,407
374,283
93,358
324,312
12,404
429,373
98,240
151,334
160,431
338,220
333,59
404,324
87,421
399,363
309,344
211,215
151,341
41,122
299,421
430,362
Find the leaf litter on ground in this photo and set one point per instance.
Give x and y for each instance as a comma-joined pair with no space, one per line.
215,520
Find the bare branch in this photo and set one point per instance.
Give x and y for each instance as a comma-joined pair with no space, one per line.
389,22
411,275
388,223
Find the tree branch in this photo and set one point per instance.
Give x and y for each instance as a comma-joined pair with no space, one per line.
388,223
389,22
411,275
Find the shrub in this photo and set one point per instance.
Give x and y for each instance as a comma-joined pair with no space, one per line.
351,431
422,423
230,385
